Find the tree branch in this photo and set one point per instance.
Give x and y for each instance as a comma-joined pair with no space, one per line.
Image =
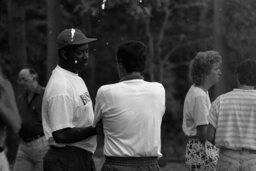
151,48
162,31
191,43
167,56
172,66
190,5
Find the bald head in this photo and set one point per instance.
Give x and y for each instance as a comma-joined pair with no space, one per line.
27,78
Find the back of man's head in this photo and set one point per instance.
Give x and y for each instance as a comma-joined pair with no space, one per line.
132,55
246,72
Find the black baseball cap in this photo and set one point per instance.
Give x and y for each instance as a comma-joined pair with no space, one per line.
72,37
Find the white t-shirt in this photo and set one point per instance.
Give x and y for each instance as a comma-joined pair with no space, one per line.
67,104
132,113
195,110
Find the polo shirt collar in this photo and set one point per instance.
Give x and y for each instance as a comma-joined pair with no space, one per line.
66,71
37,90
132,76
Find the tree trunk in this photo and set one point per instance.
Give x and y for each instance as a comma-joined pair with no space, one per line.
17,37
219,42
203,21
150,61
18,59
53,26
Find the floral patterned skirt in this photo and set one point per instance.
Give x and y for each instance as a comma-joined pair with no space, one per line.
201,157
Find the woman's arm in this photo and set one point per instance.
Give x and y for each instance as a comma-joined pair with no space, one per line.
211,130
202,132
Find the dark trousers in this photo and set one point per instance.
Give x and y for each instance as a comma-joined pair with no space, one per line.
68,159
131,164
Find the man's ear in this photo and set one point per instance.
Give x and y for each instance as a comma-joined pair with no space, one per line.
63,54
121,69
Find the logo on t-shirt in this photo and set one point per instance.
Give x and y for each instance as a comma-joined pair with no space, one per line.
85,98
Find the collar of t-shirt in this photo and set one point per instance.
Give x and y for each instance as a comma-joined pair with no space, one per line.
66,71
132,76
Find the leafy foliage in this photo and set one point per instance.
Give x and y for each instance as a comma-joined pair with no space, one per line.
241,27
173,31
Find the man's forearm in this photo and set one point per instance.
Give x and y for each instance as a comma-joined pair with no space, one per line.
72,135
211,130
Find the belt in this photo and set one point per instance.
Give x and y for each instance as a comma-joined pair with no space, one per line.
33,138
131,160
68,148
238,150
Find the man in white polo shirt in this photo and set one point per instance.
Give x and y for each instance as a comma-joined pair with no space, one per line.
131,112
67,111
232,121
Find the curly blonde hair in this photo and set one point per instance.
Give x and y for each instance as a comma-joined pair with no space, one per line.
202,64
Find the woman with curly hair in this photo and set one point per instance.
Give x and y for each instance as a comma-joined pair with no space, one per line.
204,72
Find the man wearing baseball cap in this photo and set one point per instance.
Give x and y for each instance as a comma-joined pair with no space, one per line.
67,111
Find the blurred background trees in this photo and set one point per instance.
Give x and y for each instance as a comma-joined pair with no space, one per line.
174,32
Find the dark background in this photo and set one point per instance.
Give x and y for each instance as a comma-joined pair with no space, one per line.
173,30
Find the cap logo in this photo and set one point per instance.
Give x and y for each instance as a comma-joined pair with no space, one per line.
72,34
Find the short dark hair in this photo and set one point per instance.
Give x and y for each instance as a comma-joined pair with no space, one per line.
66,49
132,55
202,64
246,71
